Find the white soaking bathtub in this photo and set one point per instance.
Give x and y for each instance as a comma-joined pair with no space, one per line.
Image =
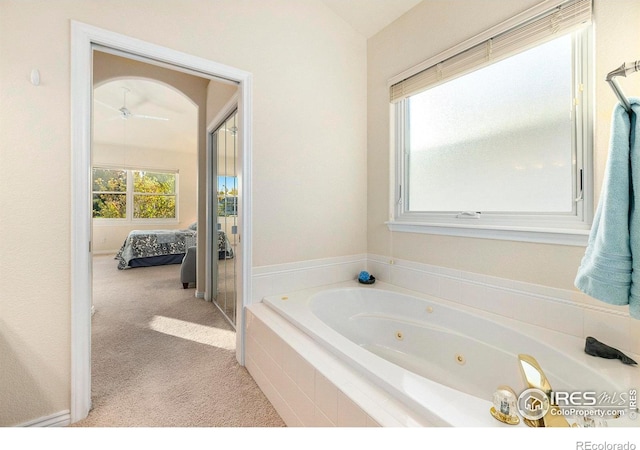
443,360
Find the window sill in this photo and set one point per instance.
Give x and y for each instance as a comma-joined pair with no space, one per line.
558,236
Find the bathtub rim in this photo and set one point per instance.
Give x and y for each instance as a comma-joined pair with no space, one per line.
298,313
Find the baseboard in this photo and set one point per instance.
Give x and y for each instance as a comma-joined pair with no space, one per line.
199,294
59,419
105,252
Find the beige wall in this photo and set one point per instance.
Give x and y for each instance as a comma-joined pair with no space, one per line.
218,95
309,153
429,29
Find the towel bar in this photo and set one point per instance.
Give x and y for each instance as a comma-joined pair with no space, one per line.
622,71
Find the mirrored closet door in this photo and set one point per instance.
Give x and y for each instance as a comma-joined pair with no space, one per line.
226,146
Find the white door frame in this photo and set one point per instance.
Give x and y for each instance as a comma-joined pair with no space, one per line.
83,39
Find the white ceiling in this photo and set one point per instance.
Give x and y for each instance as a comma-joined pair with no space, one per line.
144,98
370,16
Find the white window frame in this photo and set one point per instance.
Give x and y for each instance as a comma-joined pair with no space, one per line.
566,229
129,219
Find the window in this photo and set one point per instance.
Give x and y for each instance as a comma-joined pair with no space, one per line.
109,193
227,196
154,195
500,149
128,194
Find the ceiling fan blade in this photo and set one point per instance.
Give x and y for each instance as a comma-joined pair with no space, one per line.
142,116
105,105
124,112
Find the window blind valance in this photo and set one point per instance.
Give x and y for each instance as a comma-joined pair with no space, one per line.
553,23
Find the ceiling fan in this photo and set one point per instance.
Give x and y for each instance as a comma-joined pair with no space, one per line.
125,113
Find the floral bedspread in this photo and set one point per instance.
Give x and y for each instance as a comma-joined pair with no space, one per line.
145,243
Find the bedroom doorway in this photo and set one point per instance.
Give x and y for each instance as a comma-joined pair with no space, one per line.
144,163
224,157
86,39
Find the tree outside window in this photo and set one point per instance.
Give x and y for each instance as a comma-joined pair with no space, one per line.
148,195
154,195
109,193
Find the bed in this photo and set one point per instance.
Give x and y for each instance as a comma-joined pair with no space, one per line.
145,248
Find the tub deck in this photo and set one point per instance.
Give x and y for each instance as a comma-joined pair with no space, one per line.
437,396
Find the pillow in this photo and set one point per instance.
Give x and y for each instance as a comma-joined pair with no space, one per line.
194,226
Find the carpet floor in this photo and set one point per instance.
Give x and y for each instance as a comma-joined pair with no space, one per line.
163,358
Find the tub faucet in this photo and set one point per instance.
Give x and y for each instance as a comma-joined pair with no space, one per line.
535,378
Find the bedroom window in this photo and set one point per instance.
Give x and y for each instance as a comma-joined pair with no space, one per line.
132,194
495,141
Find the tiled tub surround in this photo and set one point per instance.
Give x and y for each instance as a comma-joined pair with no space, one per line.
309,386
270,280
566,311
446,393
319,382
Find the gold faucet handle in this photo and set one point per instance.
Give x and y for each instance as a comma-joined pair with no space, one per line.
536,379
533,374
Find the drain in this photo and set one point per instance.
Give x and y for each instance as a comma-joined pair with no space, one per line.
284,298
399,335
460,359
